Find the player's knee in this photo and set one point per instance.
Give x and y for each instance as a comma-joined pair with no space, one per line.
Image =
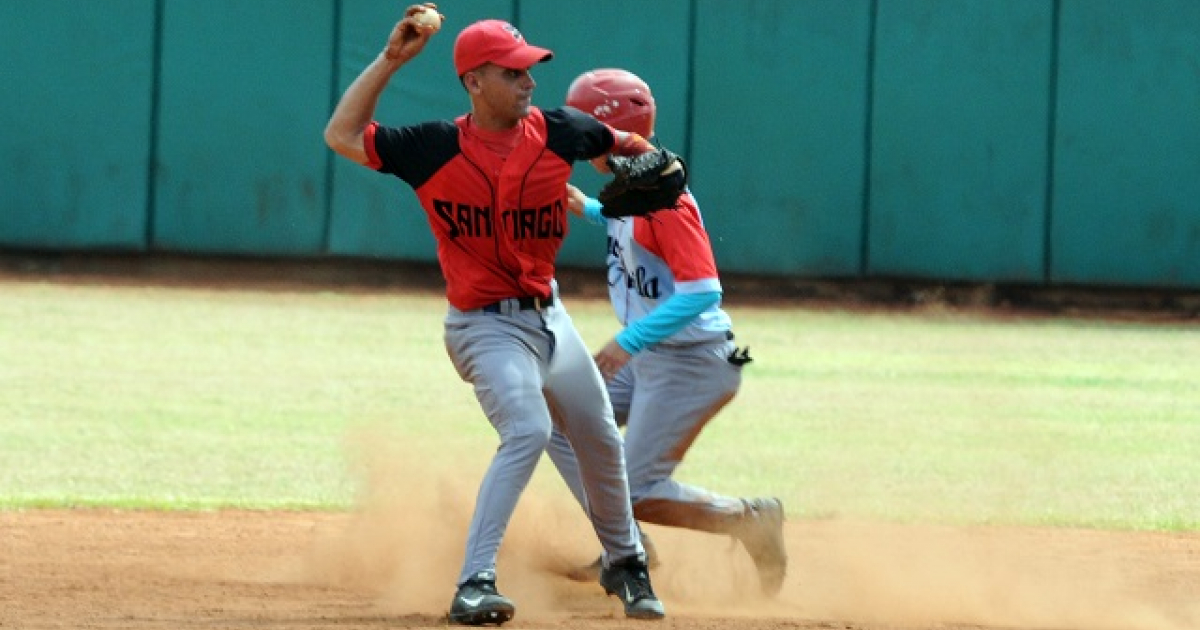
527,437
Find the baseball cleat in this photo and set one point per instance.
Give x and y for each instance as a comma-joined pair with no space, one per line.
478,603
630,580
761,533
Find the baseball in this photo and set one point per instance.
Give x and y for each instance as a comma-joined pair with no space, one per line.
428,18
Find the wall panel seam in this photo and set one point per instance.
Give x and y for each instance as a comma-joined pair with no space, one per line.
864,261
152,158
1051,141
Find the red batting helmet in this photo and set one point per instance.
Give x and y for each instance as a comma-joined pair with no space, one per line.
616,97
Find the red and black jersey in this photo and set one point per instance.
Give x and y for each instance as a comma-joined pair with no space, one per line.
499,222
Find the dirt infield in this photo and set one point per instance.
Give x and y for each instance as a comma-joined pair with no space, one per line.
272,570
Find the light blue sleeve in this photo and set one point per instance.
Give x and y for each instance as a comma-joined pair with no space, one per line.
591,211
667,319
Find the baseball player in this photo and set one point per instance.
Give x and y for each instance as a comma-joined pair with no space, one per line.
674,366
492,184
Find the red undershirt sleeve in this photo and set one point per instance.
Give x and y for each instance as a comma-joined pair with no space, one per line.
632,144
369,146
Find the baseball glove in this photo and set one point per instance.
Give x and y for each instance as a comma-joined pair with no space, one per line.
643,183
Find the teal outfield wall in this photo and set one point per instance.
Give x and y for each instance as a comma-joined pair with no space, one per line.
75,127
1010,141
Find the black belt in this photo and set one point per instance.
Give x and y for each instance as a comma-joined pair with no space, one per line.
522,303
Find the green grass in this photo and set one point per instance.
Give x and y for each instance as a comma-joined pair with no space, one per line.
183,398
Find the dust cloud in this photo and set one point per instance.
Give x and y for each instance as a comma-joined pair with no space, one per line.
405,538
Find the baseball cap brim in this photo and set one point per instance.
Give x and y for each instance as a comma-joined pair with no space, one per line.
523,58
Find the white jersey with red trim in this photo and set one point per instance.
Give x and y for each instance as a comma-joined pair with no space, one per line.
654,257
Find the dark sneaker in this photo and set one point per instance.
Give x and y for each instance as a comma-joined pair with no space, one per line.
591,572
630,580
477,603
761,533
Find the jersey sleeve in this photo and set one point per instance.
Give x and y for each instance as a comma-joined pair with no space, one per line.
669,318
413,153
576,136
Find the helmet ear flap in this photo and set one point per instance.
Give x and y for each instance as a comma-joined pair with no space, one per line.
616,97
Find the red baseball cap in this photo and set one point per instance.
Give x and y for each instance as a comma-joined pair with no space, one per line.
498,42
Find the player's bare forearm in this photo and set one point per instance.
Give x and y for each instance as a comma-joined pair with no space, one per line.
356,109
575,200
